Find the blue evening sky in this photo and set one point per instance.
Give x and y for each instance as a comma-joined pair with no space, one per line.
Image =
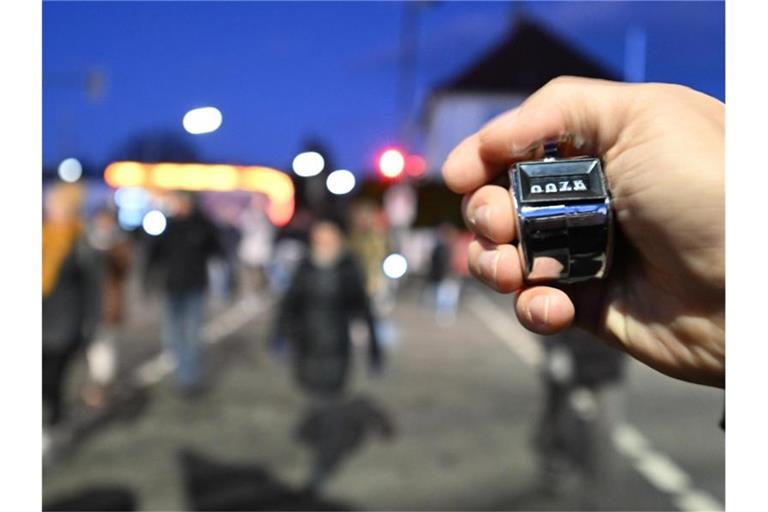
284,71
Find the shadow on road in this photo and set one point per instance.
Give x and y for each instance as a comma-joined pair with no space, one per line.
213,485
126,406
333,431
104,497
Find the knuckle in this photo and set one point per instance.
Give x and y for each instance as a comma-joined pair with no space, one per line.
666,90
565,81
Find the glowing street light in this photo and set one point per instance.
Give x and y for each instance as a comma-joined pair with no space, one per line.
308,164
70,170
202,120
154,222
395,266
340,182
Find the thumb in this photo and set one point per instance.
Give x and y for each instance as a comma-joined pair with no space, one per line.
591,113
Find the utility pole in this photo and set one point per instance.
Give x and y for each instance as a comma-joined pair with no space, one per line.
634,55
406,82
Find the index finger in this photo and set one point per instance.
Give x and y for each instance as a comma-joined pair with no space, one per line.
586,110
464,170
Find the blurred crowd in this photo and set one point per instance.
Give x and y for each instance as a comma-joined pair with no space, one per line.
322,273
328,281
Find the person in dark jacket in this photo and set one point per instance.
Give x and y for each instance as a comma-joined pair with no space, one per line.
182,252
71,292
327,291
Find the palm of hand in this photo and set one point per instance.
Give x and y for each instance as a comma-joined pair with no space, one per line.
664,301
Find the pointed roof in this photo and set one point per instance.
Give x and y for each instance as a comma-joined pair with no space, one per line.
528,58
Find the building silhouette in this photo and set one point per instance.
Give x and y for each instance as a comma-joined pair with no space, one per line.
525,60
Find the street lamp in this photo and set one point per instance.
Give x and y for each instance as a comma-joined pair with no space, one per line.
395,266
308,164
202,120
70,170
154,222
340,182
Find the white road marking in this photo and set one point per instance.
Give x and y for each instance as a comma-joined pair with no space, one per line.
153,371
662,472
232,319
217,329
509,331
701,501
658,469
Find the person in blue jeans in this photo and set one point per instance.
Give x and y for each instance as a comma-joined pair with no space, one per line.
184,312
182,252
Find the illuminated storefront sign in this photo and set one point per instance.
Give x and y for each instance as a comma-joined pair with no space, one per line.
276,185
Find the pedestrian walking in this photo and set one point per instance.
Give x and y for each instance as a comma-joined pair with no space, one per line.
114,247
444,281
255,247
182,252
368,242
71,280
326,293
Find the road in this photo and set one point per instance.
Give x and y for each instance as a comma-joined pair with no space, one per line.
462,402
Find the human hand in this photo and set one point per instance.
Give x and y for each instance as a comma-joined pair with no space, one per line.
662,148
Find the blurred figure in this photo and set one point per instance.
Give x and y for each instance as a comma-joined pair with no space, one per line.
289,250
227,270
445,285
71,292
255,247
368,242
582,383
288,254
183,251
327,291
113,245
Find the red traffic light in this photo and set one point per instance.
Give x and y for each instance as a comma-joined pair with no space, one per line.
391,163
416,166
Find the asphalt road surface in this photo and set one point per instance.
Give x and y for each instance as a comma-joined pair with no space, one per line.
447,426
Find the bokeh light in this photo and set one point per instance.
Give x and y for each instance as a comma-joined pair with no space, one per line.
202,120
416,166
70,170
154,222
395,266
309,163
340,182
391,163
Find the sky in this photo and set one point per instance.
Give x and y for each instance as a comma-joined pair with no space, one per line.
285,72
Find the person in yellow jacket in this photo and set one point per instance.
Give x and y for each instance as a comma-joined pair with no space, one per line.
70,282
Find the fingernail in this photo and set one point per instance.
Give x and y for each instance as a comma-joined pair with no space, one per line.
482,218
488,262
472,218
538,310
